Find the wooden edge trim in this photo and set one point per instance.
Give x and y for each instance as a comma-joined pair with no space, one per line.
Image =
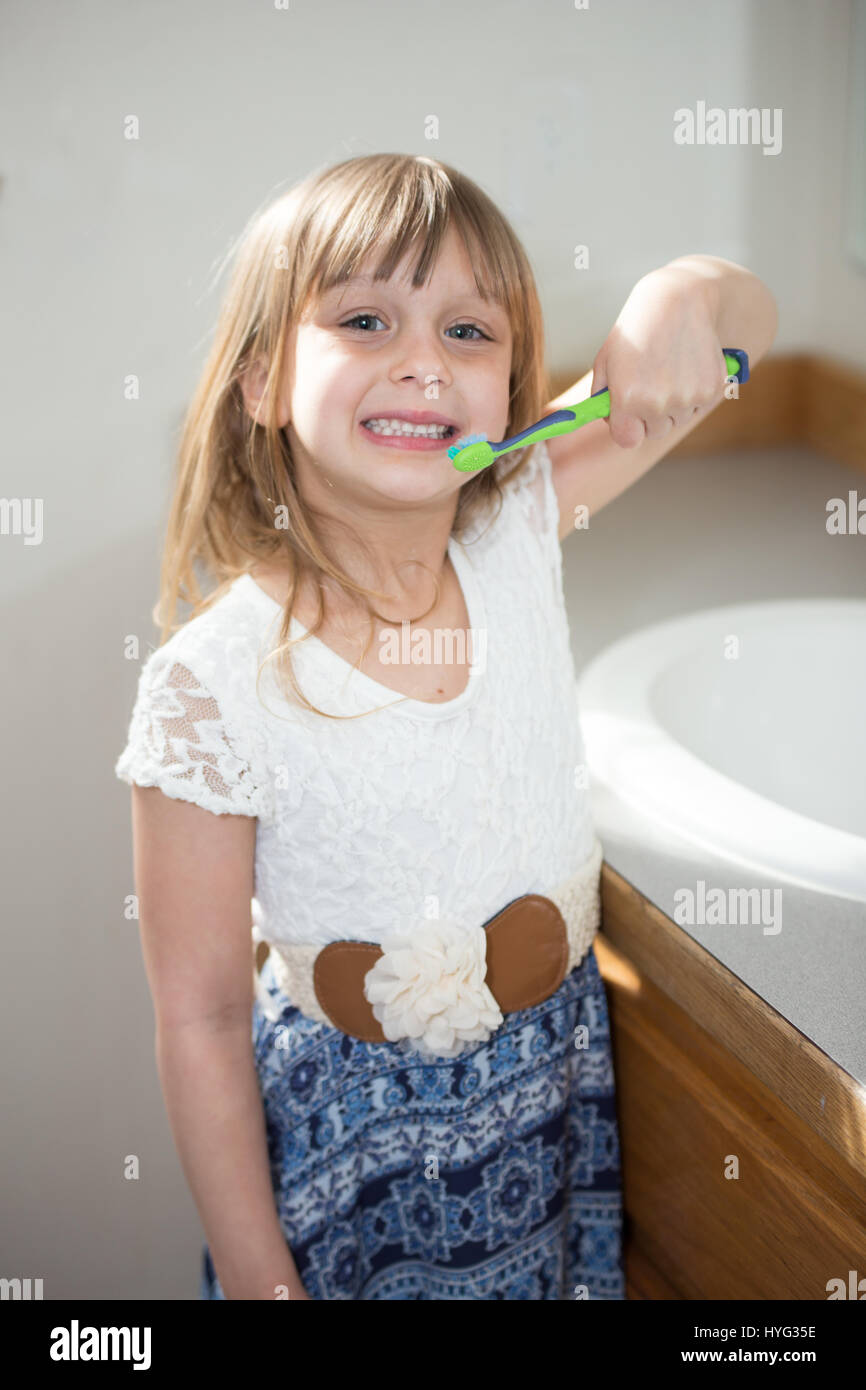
817,1089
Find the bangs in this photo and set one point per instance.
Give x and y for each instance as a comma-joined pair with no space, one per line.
407,212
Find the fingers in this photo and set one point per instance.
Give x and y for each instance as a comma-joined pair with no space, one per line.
626,430
637,419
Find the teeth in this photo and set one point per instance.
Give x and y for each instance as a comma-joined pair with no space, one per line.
403,427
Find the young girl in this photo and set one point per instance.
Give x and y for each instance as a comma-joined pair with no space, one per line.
367,732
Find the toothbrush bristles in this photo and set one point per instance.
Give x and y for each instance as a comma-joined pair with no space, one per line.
464,443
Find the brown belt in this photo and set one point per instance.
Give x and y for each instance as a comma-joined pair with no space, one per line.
438,985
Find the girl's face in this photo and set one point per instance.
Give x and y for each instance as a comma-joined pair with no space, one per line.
371,351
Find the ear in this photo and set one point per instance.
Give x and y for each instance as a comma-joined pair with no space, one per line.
253,384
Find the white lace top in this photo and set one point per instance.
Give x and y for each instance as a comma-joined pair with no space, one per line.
474,801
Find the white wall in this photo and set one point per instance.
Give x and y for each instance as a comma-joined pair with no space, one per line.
108,251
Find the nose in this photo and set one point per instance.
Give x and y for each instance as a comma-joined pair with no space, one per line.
418,354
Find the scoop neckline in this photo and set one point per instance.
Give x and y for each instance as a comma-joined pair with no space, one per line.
402,704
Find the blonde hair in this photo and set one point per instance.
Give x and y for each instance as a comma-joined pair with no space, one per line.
233,472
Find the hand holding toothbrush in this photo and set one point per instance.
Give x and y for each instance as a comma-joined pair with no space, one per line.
661,364
662,361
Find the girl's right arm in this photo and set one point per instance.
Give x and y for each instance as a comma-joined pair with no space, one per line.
194,880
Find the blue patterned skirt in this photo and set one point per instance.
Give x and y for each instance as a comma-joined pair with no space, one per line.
493,1175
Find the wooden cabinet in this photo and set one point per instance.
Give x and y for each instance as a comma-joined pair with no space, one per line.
707,1073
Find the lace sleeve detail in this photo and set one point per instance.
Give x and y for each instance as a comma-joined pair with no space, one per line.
178,742
534,491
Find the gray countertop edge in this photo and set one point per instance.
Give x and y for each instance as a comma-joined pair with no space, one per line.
812,970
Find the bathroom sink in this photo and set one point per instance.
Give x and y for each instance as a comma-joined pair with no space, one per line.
743,729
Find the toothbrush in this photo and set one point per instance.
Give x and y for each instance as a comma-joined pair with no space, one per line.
474,452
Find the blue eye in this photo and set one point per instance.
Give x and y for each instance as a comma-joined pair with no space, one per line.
358,318
473,326
350,322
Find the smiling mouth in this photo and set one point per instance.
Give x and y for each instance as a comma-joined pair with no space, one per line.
406,430
397,439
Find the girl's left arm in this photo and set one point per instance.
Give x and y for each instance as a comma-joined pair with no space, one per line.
664,365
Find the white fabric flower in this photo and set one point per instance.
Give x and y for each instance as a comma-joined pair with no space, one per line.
429,986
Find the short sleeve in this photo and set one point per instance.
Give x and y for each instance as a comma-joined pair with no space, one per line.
178,741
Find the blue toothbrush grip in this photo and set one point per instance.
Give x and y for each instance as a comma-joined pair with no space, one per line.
743,359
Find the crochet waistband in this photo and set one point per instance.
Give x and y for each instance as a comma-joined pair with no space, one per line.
577,898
